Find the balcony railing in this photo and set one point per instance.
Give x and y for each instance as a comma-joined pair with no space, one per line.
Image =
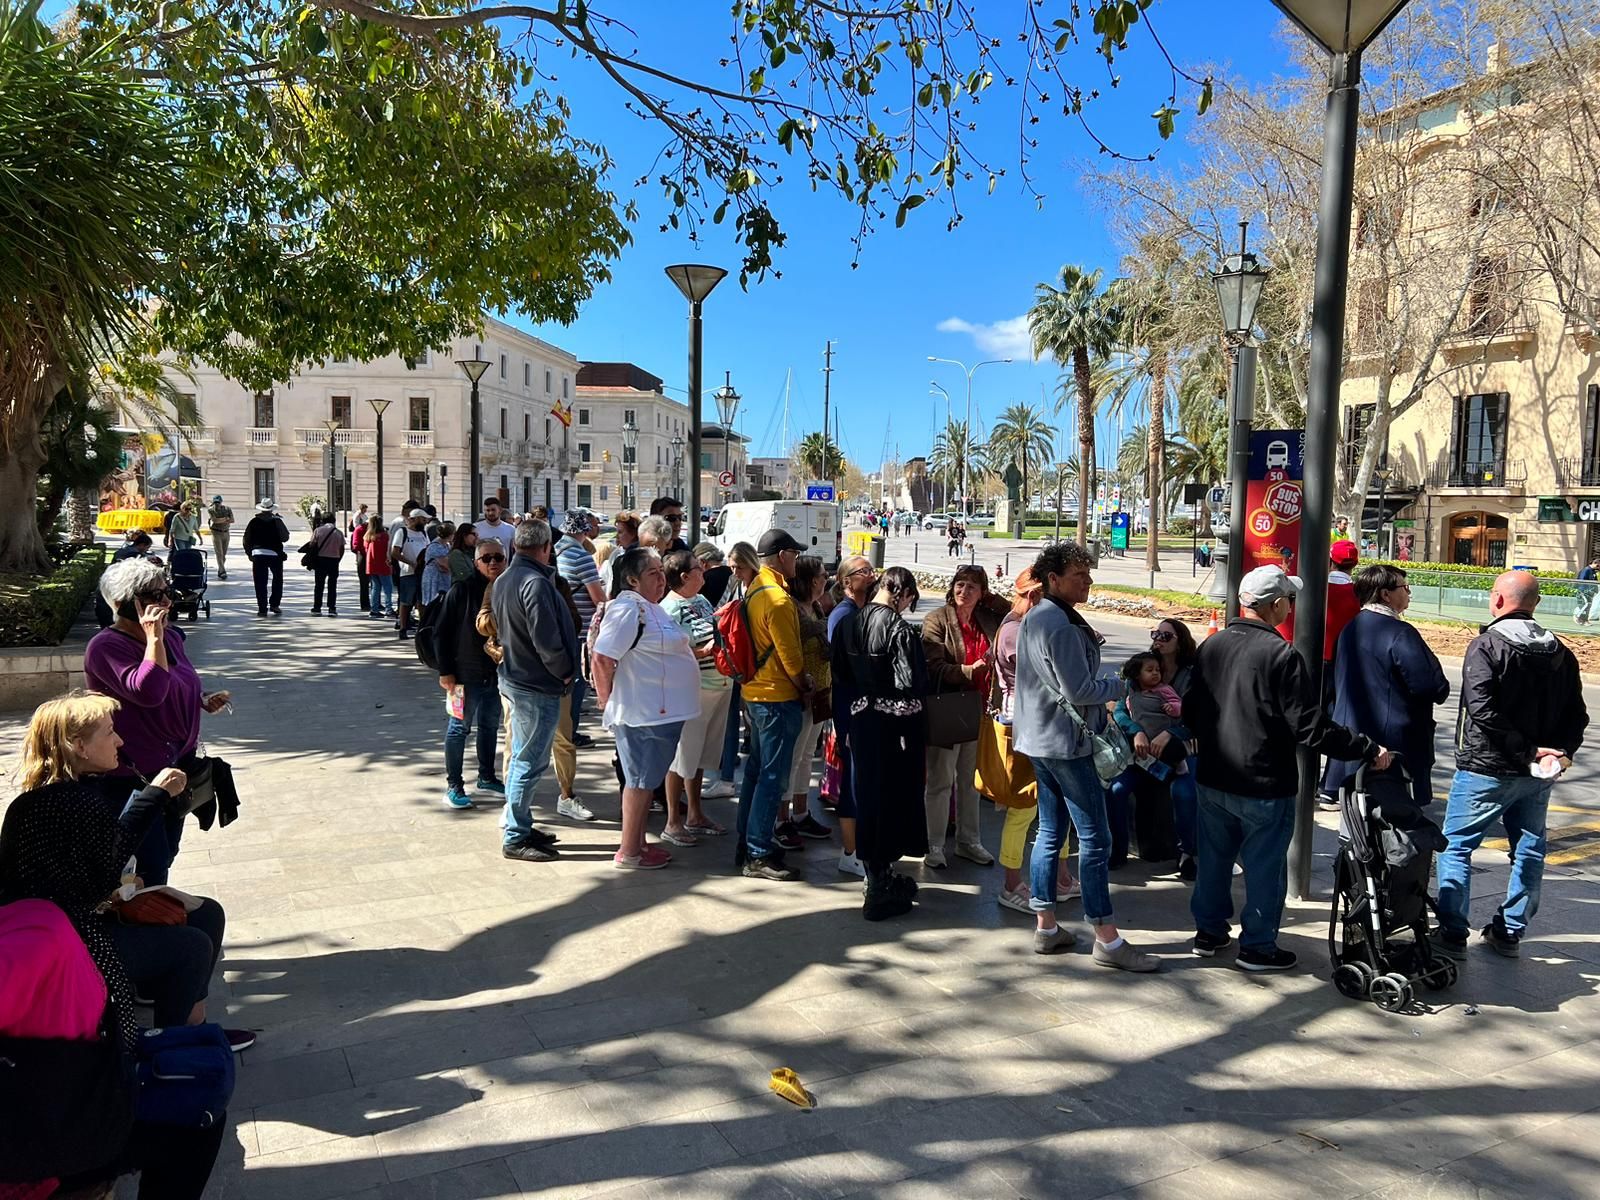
1577,473
563,460
309,439
418,439
258,435
197,438
535,454
1508,474
1501,319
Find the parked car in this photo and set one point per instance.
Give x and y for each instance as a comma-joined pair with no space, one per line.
937,520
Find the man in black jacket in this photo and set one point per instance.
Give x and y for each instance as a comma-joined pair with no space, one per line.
1522,719
1251,702
464,663
264,538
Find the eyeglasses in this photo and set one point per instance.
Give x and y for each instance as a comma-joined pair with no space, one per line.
1163,635
160,597
492,558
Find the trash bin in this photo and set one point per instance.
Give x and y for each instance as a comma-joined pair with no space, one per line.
875,550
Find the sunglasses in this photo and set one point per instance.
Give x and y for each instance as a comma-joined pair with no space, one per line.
492,558
160,597
1163,635
675,518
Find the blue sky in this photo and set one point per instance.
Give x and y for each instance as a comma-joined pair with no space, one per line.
918,290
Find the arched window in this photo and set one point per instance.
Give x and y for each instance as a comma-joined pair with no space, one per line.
1478,539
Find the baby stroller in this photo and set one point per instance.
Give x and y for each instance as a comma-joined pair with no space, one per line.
1378,930
186,577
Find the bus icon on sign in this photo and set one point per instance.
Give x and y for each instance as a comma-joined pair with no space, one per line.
1277,456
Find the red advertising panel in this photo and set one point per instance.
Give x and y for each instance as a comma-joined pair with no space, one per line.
1274,499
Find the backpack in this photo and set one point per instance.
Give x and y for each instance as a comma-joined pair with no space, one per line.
427,631
736,655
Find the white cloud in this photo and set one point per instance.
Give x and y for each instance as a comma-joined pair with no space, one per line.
1007,339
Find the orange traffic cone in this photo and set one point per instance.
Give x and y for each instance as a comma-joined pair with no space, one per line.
1211,628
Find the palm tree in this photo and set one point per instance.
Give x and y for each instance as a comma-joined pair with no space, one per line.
1024,437
820,456
1074,323
954,456
1199,449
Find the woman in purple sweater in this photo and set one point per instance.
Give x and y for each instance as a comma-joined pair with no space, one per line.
139,659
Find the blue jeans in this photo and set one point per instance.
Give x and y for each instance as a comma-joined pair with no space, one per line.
1256,833
730,740
1185,806
481,705
534,716
1477,802
382,585
774,728
580,688
1069,787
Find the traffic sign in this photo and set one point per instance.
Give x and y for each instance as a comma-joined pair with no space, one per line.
725,479
820,491
1219,495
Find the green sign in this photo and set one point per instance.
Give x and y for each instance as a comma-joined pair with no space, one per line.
1119,531
1403,524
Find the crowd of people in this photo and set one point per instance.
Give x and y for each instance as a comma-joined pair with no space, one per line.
1185,753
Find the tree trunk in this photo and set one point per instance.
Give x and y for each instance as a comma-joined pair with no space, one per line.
1156,484
21,546
1086,467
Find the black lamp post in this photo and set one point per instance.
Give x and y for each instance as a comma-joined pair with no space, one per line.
695,281
630,451
1239,285
1382,475
677,465
1343,28
378,407
727,408
473,369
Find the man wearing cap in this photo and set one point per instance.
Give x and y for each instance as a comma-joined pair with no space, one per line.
1251,702
264,538
774,700
1342,605
220,517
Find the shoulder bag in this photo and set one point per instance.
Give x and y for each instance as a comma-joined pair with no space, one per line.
1113,753
953,717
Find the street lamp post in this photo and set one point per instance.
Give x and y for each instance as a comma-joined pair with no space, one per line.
1061,475
1238,287
1382,475
727,408
966,455
937,387
630,447
378,407
474,368
677,465
1343,30
332,458
695,281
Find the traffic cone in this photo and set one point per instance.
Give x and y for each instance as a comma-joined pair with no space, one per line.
1211,628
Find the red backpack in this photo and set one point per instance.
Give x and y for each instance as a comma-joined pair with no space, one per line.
736,655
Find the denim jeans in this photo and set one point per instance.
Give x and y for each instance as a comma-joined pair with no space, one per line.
480,705
774,727
1256,833
1477,802
382,592
1069,787
533,730
580,688
730,740
1185,805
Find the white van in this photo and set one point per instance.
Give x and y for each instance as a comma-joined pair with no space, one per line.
815,524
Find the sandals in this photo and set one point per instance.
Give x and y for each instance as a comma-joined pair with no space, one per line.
681,837
707,828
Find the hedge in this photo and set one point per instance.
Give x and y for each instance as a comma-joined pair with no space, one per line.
1480,579
39,610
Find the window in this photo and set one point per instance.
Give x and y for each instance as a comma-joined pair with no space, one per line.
503,432
265,417
705,461
566,387
658,454
266,480
630,455
527,427
1371,313
1489,305
527,374
417,413
628,417
584,451
477,350
1589,468
527,493
547,380
417,486
502,366
505,483
585,495
547,494
547,431
583,416
658,420
1357,421
1478,440
605,492
566,494
339,410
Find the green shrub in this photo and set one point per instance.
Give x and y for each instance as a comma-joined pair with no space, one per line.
1478,579
1181,526
38,610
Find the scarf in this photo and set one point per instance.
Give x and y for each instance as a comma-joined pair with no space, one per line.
60,843
1381,609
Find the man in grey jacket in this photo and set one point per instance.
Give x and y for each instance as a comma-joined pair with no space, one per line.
541,657
1060,698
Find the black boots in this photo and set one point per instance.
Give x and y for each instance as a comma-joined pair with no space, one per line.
887,894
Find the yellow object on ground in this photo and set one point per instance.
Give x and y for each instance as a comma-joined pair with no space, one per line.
119,520
787,1084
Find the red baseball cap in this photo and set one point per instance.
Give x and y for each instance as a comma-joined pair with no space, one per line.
1344,553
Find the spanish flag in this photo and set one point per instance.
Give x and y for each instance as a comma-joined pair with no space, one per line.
564,415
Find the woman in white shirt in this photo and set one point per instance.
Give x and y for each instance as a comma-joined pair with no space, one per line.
700,744
648,681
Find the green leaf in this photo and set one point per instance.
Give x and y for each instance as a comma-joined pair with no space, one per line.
1204,102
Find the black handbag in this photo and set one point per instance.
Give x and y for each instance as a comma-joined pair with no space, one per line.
953,717
66,1106
202,789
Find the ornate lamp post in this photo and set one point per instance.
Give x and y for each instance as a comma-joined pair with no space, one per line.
696,282
727,408
378,407
630,447
677,465
473,369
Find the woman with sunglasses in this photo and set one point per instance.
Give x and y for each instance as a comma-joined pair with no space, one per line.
140,661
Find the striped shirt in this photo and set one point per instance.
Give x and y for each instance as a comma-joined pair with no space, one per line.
576,566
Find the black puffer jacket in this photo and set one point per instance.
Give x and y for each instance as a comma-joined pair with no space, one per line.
1520,689
457,641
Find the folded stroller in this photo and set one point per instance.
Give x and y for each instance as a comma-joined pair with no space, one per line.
187,578
1378,930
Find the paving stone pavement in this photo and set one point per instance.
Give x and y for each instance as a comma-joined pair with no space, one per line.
438,1022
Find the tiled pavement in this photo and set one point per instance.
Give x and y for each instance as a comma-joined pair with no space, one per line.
438,1022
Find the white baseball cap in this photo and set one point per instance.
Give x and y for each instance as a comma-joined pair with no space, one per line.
1269,583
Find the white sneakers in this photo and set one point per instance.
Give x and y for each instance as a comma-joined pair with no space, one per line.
721,790
849,864
573,809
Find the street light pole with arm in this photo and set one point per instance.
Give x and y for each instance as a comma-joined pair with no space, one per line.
938,387
966,456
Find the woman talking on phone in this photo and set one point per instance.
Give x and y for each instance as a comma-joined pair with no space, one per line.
140,661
